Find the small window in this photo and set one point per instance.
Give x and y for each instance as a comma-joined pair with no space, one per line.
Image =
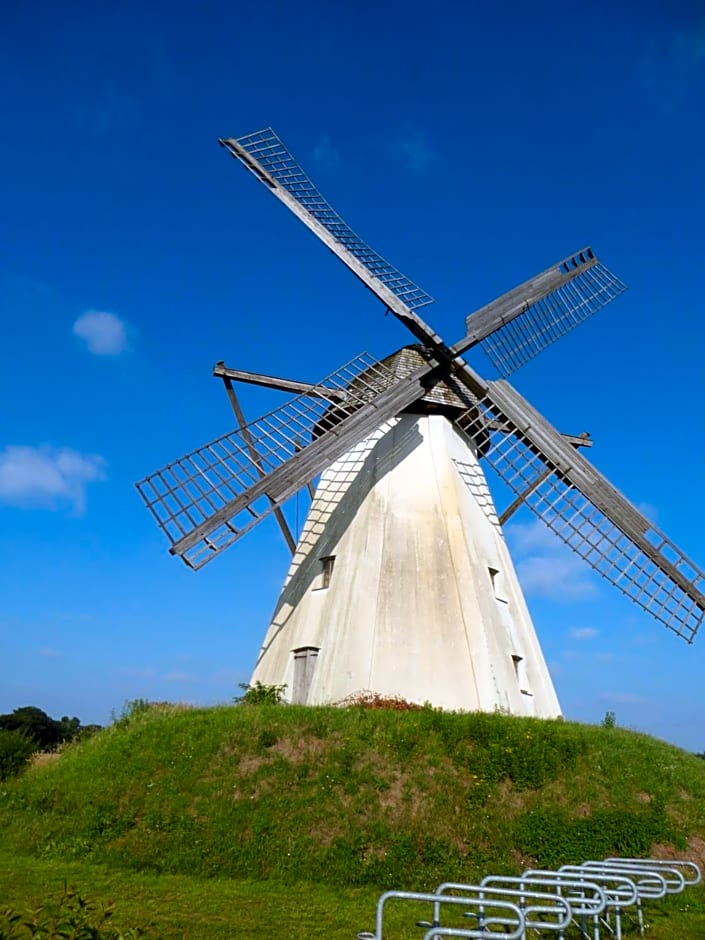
497,580
520,671
327,564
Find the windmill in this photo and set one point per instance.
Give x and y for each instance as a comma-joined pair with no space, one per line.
401,581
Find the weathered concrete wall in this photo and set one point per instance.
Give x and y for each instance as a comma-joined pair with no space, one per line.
422,600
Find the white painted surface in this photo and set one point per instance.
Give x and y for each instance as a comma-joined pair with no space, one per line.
423,600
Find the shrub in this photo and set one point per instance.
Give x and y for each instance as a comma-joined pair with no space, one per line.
366,699
15,750
261,694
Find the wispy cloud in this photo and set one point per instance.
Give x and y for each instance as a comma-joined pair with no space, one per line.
625,698
47,477
583,633
545,566
413,151
178,677
103,109
687,48
103,333
325,154
47,653
673,63
651,512
605,657
229,677
136,672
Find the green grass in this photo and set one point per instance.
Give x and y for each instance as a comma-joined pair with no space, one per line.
192,908
179,907
249,807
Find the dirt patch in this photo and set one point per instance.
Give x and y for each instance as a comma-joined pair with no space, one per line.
297,750
513,801
695,851
392,797
44,757
251,763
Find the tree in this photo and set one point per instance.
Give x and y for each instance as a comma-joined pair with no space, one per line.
44,731
35,724
15,750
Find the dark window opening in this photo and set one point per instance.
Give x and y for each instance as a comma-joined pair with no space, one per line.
327,564
520,672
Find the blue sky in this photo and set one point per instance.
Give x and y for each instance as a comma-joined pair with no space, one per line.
472,145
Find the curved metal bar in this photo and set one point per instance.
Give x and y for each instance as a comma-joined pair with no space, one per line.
496,886
683,865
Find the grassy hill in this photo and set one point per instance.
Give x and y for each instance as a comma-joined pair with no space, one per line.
354,796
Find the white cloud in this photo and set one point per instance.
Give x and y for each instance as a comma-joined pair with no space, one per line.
48,653
583,633
545,566
47,477
531,536
102,332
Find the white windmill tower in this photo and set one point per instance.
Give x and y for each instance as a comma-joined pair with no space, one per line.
401,581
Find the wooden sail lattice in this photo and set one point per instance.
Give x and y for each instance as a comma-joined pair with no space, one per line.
271,154
513,344
585,511
211,497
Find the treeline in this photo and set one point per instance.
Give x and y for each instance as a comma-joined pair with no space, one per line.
27,730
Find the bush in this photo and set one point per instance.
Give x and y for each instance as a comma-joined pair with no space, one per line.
15,750
261,694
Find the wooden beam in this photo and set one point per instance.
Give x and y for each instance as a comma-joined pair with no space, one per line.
256,460
280,484
283,385
506,308
582,440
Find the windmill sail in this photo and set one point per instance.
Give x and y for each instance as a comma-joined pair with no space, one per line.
586,511
517,326
272,156
266,156
512,329
211,497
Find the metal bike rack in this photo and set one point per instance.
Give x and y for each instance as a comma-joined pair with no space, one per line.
542,910
497,918
690,870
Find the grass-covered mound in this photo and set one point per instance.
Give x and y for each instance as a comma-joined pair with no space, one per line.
353,796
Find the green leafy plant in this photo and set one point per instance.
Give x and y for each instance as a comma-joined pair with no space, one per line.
15,750
610,720
261,694
73,917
